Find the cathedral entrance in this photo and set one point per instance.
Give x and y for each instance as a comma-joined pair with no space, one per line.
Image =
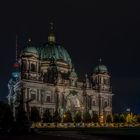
73,102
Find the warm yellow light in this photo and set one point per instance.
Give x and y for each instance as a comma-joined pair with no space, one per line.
101,116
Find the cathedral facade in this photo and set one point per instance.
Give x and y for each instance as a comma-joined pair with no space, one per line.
46,79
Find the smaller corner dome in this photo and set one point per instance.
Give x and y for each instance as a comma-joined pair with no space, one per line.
100,69
73,74
30,49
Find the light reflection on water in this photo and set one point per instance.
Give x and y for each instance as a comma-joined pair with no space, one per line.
66,135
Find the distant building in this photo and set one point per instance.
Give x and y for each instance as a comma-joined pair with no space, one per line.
45,76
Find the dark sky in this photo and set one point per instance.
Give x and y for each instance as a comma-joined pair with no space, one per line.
88,30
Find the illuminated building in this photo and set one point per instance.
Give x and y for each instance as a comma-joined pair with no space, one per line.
46,76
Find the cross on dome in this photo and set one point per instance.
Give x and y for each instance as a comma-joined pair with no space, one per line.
51,24
100,60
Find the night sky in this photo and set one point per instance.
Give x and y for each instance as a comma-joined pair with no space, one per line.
88,30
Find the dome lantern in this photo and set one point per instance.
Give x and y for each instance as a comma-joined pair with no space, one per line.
51,36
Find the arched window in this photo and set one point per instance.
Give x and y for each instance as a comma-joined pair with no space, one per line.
48,99
45,77
93,103
33,96
106,81
33,68
105,104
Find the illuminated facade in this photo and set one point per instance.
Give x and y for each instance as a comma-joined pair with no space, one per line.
46,79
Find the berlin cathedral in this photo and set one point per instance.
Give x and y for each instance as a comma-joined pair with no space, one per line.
46,78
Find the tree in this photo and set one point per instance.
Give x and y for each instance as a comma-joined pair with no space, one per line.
95,118
86,117
47,118
129,118
122,118
77,117
116,118
109,119
56,117
6,115
138,118
21,115
134,120
67,117
35,117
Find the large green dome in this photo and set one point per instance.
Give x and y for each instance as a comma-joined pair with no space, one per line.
100,69
55,51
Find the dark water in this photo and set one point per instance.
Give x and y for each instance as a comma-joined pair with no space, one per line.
60,137
74,134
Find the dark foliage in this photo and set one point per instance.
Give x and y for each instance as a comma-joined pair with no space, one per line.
109,119
67,117
86,117
47,117
21,115
95,118
77,117
6,115
116,118
56,117
122,118
35,117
